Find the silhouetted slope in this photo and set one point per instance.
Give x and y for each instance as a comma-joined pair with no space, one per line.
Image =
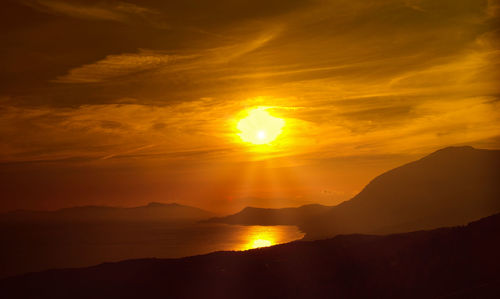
152,212
261,216
444,263
449,187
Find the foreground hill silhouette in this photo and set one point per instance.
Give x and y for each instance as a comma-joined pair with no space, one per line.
459,262
451,186
154,211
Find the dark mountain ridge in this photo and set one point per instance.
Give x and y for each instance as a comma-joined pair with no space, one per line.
458,262
451,186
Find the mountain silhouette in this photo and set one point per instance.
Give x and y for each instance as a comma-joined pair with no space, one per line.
458,262
261,216
451,186
154,211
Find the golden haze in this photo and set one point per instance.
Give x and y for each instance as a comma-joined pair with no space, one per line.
110,104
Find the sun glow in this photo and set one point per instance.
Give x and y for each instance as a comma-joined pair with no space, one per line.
261,243
259,236
262,239
259,127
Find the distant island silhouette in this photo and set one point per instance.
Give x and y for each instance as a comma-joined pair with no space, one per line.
154,211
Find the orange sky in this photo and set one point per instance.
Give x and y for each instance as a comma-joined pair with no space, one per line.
123,103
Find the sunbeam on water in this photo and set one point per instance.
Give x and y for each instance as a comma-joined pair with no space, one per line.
264,236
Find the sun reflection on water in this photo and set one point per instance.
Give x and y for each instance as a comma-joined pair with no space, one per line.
259,243
264,236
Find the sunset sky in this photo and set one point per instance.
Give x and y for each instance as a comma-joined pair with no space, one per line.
124,103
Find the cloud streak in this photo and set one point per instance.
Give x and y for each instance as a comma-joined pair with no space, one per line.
126,64
116,66
110,11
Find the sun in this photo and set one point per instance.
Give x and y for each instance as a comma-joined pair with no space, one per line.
259,127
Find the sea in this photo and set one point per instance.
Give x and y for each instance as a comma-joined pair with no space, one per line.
32,247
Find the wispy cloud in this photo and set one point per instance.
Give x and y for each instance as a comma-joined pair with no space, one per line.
493,9
114,11
115,66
